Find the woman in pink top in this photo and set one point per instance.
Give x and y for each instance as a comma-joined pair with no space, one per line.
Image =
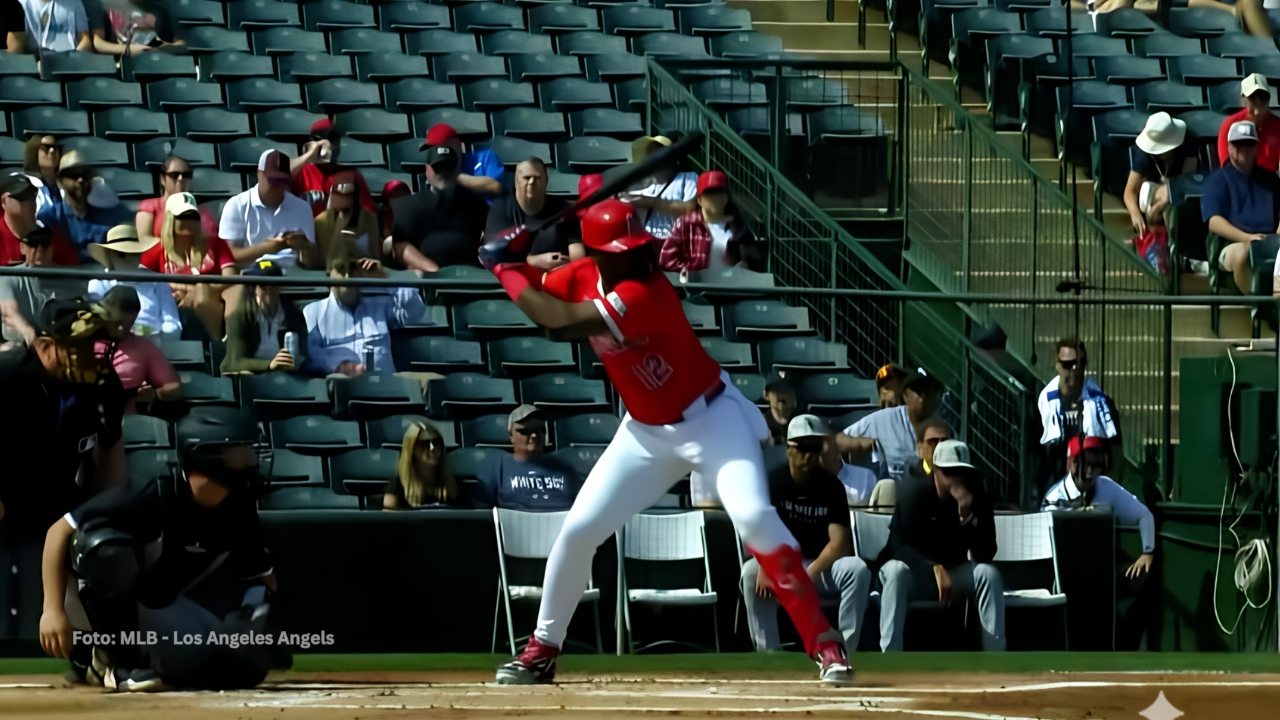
142,367
175,177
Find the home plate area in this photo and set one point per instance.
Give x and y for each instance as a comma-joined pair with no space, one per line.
371,696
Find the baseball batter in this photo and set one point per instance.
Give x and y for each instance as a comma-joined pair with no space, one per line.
683,415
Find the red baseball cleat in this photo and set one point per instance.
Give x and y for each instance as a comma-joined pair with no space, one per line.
537,664
833,664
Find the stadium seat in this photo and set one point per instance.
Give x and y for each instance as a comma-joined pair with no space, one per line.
1225,97
581,459
363,473
557,18
1077,104
1202,134
970,29
434,43
203,40
305,498
732,356
591,154
1239,45
200,388
407,16
1167,96
755,125
309,67
11,148
515,42
751,386
132,124
414,94
98,152
255,14
211,124
315,435
24,92
1113,132
606,122
746,45
1201,69
375,395
1267,65
585,43
570,94
801,353
467,394
376,177
384,67
150,155
479,17
725,94
493,94
406,156
1010,62
629,20
518,357
1052,23
145,465
834,392
1201,22
338,94
182,354
130,185
95,93
440,354
195,12
1125,23
18,65
287,467
586,429
484,285
711,20
241,155
612,68
176,94
670,44
470,126
388,432
372,125
486,431
760,319
466,463
1128,70
559,184
336,15
66,66
216,185
511,151
286,124
278,395
287,41
487,319
256,93
143,432
362,41
559,394
462,67
224,67
539,67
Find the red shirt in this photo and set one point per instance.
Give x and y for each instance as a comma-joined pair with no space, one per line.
64,253
1268,140
312,184
217,258
155,206
651,355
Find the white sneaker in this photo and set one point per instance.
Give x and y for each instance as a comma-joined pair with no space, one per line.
1199,267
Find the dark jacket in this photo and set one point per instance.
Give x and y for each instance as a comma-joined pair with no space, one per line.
926,530
243,337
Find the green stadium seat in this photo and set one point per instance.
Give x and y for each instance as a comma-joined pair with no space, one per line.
315,435
530,123
486,284
241,155
712,20
335,15
757,319
129,185
200,388
338,94
561,184
211,124
285,124
801,353
309,67
463,67
632,95
373,125
746,45
18,65
586,429
587,43
570,94
812,93
479,17
98,152
485,319
702,318
25,92
1167,96
147,465
131,124
276,395
287,41
839,422
1201,69
406,16
1238,46
150,155
466,394
94,93
224,67
591,154
389,432
195,12
1166,45
827,393
612,68
1125,23
628,20
582,458
377,395
295,469
512,151
306,498
589,365
144,432
751,386
670,44
492,94
540,67
416,94
560,394
176,94
432,43
158,64
386,67
729,93
67,66
203,40
487,431
406,156
466,463
216,185
434,353
11,148
379,176
256,93
1201,22
257,14
514,43
182,354
363,473
518,357
732,356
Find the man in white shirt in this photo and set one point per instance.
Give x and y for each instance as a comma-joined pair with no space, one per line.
158,313
267,222
671,195
1086,486
344,327
56,26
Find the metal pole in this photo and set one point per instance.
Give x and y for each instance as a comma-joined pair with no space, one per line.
968,201
779,115
1166,454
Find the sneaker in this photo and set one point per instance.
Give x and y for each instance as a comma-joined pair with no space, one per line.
537,664
98,669
138,681
1198,267
833,664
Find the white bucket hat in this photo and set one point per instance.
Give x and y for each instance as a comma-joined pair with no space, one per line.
1161,134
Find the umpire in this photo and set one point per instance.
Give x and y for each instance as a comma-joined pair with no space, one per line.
166,622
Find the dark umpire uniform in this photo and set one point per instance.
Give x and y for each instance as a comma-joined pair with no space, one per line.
172,574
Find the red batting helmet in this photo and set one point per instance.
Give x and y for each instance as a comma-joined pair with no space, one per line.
612,226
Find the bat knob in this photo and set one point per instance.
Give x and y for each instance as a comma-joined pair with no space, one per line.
510,247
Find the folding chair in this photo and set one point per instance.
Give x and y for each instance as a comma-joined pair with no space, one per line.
1027,538
663,538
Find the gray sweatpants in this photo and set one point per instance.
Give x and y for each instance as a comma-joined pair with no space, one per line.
980,581
848,578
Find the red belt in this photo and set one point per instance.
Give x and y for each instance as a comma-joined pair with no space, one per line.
716,391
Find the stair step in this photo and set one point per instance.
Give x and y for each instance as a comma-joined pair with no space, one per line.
802,11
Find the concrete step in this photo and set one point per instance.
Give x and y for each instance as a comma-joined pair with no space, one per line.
802,11
804,37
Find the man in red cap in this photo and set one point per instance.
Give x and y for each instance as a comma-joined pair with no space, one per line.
442,225
683,415
314,170
480,170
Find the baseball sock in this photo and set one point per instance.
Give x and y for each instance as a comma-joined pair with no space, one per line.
795,592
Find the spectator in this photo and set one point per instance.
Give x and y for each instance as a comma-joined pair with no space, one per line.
143,370
942,541
40,158
670,196
13,26
889,379
1072,404
1250,13
88,208
392,190
781,396
480,170
56,26
347,324
18,202
421,477
713,236
1255,95
812,506
527,478
1161,155
125,29
175,177
859,482
317,170
267,222
122,251
1086,485
256,327
1241,204
442,225
346,228
931,432
888,436
23,296
185,250
528,205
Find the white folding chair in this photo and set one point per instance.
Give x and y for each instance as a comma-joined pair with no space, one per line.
1029,538
870,536
528,536
663,538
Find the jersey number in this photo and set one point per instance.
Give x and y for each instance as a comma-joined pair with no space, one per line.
653,371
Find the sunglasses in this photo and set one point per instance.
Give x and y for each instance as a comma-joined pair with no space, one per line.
933,441
78,175
345,188
50,148
527,430
1068,364
808,445
177,175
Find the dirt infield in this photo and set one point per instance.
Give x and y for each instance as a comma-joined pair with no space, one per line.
374,696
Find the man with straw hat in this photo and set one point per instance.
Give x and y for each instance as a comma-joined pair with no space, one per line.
669,194
120,252
88,208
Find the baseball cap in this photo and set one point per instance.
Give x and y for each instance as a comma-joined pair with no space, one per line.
441,155
122,238
121,300
393,186
72,319
18,185
180,204
889,372
275,164
323,129
71,160
991,338
588,184
778,380
1075,445
806,426
264,268
713,180
1254,82
921,382
952,454
1242,131
520,414
612,226
439,134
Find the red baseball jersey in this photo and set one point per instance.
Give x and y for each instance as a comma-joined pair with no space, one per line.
650,354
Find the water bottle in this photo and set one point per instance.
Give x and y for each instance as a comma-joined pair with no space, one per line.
291,346
368,359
